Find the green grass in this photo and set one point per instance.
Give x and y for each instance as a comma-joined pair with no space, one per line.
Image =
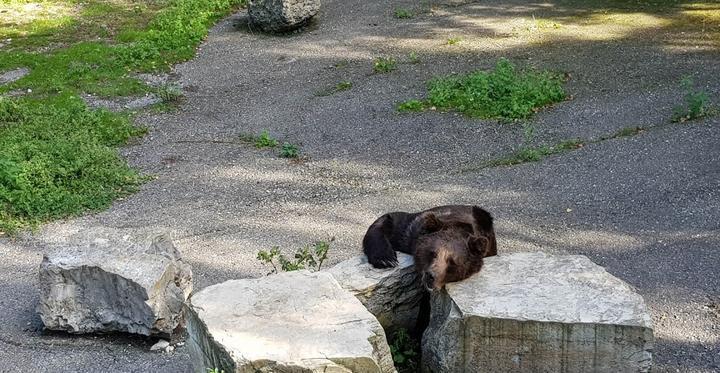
264,140
289,151
384,65
504,93
403,13
57,157
410,106
535,154
453,40
413,58
340,87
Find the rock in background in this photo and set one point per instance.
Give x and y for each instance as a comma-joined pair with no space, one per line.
392,295
531,312
281,15
109,281
290,322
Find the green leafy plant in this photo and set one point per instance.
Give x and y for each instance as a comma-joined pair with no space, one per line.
453,40
413,57
58,158
215,370
503,93
265,141
384,64
405,351
343,86
411,105
402,13
308,257
695,105
289,151
170,93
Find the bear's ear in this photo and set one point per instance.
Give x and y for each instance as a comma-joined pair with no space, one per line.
431,224
477,245
483,219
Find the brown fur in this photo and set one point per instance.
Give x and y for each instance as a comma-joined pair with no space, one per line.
448,242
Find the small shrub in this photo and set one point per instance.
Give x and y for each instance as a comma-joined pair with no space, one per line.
342,86
411,105
696,103
265,141
289,151
402,13
504,93
384,64
405,351
305,258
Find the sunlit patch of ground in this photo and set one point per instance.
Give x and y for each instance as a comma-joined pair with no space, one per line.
33,25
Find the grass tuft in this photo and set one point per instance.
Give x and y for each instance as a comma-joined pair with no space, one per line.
403,13
384,64
411,106
504,92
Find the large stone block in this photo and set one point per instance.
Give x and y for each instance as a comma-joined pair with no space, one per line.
393,295
281,15
531,312
290,322
107,281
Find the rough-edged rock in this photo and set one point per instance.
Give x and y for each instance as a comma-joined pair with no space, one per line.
281,15
13,75
289,322
392,295
531,312
161,345
114,282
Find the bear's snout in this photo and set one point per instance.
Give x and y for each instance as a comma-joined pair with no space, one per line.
428,280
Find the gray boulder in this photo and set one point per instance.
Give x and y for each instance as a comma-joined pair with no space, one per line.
290,322
114,282
281,15
392,295
531,312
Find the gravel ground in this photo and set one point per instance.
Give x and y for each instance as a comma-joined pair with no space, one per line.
645,207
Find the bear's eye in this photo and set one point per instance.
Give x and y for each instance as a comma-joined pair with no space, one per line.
432,255
451,262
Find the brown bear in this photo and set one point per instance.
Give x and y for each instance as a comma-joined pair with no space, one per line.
447,242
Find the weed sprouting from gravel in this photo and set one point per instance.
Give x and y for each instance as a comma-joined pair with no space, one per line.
384,64
403,13
453,40
413,58
696,103
503,93
340,87
265,141
170,93
289,151
411,105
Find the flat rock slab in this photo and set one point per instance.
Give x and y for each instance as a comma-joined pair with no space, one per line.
290,322
532,312
110,281
393,295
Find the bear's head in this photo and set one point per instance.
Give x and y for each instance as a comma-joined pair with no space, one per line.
447,252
